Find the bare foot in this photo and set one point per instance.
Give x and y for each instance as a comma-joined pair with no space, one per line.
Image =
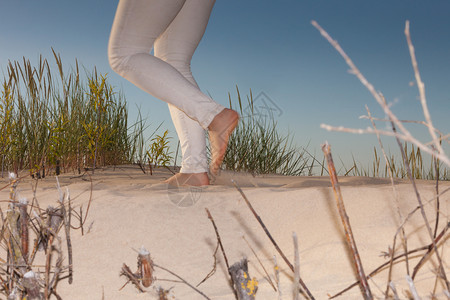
220,130
189,179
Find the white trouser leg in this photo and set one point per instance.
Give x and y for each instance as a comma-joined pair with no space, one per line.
174,28
193,16
137,24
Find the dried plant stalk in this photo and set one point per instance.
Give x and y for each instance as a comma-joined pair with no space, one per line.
296,267
57,267
258,218
47,267
394,290
54,219
265,271
397,202
405,135
15,238
31,285
345,221
131,277
421,208
145,271
14,181
145,266
66,220
421,87
412,288
429,251
17,225
24,236
435,149
183,281
218,238
428,247
277,277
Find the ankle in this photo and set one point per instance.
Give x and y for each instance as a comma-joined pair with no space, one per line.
224,118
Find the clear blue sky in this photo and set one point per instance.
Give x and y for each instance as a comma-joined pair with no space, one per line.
270,46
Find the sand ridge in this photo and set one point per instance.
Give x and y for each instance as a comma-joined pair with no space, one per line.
131,209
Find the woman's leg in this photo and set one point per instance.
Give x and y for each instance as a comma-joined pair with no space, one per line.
137,25
176,46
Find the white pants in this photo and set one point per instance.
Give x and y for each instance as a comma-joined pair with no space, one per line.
174,29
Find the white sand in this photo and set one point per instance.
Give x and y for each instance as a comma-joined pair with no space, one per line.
130,209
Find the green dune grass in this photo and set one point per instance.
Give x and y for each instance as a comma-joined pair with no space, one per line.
62,122
75,121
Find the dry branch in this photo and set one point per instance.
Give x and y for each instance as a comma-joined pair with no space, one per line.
271,238
435,149
442,137
131,277
48,266
12,216
213,270
23,220
183,281
436,168
17,227
219,241
57,268
421,208
66,221
277,277
346,223
145,271
421,87
378,269
429,251
394,290
405,135
265,271
397,202
218,238
412,288
296,267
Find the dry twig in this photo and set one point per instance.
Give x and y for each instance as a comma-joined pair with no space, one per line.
218,238
15,234
296,267
258,218
66,220
277,277
213,270
265,271
131,277
397,202
405,135
345,221
183,281
378,269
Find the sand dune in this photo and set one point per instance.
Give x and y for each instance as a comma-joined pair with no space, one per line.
130,209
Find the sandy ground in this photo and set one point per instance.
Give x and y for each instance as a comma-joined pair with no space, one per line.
130,209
